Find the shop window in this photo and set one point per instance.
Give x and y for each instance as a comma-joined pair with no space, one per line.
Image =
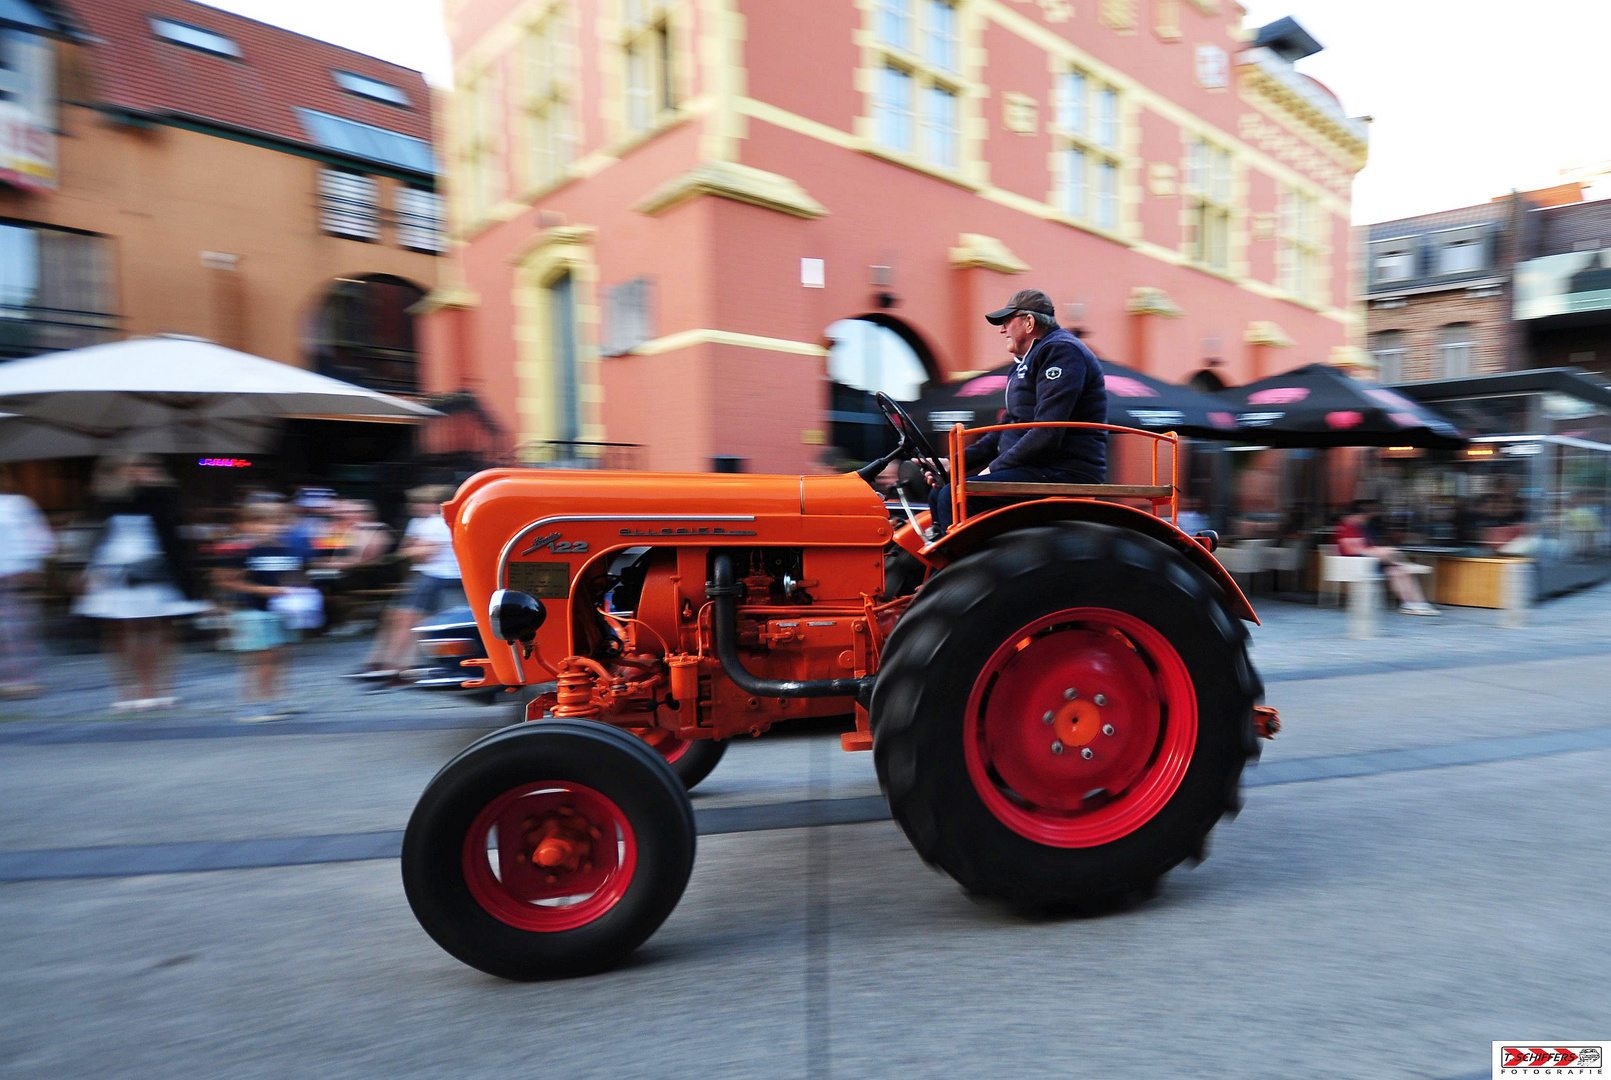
419,220
549,115
1456,347
1299,241
55,290
1208,187
1086,137
916,102
364,333
349,205
1387,348
648,62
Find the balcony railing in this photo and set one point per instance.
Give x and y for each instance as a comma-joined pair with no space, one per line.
28,330
577,454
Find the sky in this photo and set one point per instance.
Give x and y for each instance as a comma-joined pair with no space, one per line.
1468,98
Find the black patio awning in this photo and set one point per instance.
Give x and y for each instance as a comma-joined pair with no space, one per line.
1318,405
1134,400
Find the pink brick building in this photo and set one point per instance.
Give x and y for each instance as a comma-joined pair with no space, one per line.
660,206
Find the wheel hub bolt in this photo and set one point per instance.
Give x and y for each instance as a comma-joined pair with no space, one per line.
1070,694
1087,753
1057,747
1048,717
1101,699
1107,729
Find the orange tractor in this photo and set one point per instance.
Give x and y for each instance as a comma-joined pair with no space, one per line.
1057,693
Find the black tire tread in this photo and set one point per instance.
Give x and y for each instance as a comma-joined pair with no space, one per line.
941,627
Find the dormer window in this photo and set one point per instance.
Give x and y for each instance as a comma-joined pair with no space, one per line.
195,37
1392,260
374,89
1460,254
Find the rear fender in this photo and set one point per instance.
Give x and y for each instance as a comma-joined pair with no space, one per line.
978,531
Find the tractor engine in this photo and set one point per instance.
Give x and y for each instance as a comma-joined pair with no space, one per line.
653,643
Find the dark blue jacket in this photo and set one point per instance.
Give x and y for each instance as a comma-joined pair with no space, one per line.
1060,379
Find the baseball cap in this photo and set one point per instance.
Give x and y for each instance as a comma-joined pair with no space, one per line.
1023,300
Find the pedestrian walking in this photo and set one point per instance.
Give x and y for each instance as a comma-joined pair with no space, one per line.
25,543
140,578
434,584
272,603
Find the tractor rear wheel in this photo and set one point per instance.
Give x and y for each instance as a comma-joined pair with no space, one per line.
549,850
1062,717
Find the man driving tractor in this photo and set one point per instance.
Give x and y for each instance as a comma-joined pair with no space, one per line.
1056,378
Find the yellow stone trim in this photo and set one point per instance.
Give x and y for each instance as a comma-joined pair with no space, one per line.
1259,87
448,296
985,252
1263,332
553,253
1149,300
722,32
685,339
1352,356
730,180
1020,113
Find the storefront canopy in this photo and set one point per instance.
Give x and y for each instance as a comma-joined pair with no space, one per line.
1318,405
172,394
1134,400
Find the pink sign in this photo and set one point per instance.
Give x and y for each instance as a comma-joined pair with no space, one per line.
1124,386
1222,420
1343,420
985,384
1278,395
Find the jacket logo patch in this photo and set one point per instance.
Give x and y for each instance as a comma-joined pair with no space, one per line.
1054,373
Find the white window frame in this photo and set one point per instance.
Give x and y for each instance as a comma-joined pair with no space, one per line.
1389,351
1456,356
374,89
191,36
1400,256
349,204
1470,252
1087,126
549,109
927,65
1299,252
417,215
1210,188
647,49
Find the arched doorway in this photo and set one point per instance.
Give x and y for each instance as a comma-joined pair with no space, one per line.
363,333
868,356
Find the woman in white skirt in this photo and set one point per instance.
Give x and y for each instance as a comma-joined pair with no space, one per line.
138,580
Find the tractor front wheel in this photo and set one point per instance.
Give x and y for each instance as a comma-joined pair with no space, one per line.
549,850
1062,717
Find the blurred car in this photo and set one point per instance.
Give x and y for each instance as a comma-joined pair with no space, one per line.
443,642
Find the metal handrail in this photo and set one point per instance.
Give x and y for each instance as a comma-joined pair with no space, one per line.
959,494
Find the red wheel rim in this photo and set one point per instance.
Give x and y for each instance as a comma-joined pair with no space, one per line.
549,856
1080,728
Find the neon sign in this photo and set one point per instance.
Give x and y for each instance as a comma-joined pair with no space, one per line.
224,463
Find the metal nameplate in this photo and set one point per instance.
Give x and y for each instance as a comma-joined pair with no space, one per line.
543,580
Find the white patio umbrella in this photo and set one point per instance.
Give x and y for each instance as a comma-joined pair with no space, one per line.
171,395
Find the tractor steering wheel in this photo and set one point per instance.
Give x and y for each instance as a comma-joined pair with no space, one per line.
913,446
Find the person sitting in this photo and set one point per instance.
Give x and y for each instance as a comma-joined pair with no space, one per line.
1056,378
1354,536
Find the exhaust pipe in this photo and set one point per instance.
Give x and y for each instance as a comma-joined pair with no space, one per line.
723,593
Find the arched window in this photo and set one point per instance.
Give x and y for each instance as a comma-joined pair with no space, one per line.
1455,347
363,333
1388,350
867,358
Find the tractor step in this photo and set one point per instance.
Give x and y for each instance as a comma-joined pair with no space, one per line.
856,740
